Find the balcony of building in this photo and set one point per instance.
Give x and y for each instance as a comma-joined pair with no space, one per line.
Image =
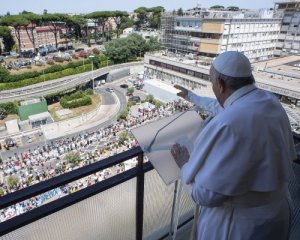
134,204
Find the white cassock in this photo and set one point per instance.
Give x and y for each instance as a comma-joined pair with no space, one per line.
240,166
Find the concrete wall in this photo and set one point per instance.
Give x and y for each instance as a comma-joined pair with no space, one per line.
117,74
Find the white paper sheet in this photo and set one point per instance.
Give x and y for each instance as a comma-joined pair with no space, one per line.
181,128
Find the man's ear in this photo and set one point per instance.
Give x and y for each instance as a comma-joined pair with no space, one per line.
221,85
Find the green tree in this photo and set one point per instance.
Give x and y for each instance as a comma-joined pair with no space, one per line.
141,16
17,22
217,7
118,17
1,192
154,20
180,12
4,73
55,21
233,8
127,22
79,22
117,51
137,44
72,158
126,49
8,40
10,107
99,18
150,98
12,181
122,115
130,91
34,20
152,44
123,137
157,103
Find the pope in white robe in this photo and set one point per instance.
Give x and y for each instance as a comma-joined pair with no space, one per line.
241,161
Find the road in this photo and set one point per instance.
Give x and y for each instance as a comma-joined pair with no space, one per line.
52,86
107,99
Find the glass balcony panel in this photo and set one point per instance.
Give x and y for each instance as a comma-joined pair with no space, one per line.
158,201
107,215
187,207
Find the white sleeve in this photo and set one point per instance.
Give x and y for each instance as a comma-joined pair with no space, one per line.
208,104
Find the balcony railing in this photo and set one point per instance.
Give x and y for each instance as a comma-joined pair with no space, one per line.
134,204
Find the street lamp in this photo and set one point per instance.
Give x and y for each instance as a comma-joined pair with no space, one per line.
91,57
44,74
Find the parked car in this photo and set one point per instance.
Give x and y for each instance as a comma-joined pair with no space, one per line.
109,89
134,99
10,142
124,86
79,49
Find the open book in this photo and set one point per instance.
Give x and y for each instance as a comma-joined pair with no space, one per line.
157,138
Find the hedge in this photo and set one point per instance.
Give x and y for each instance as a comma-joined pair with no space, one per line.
10,107
86,100
49,76
5,77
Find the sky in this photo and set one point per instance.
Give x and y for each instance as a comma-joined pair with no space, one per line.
87,6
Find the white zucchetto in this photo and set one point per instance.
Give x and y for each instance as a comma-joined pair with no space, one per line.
233,64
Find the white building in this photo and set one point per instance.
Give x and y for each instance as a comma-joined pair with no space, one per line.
289,37
209,33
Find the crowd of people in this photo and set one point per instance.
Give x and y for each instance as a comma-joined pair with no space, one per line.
50,160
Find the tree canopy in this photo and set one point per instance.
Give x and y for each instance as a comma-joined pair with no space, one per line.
8,40
217,7
128,49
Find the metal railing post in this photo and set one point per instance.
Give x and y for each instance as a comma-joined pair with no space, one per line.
140,198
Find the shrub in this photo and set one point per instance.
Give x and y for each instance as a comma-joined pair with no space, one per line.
130,91
12,181
150,98
4,73
54,68
75,56
39,64
123,137
73,158
122,115
1,192
96,51
59,59
10,107
50,62
130,104
157,103
88,91
75,100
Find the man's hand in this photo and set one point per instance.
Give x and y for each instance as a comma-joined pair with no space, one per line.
180,154
183,93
